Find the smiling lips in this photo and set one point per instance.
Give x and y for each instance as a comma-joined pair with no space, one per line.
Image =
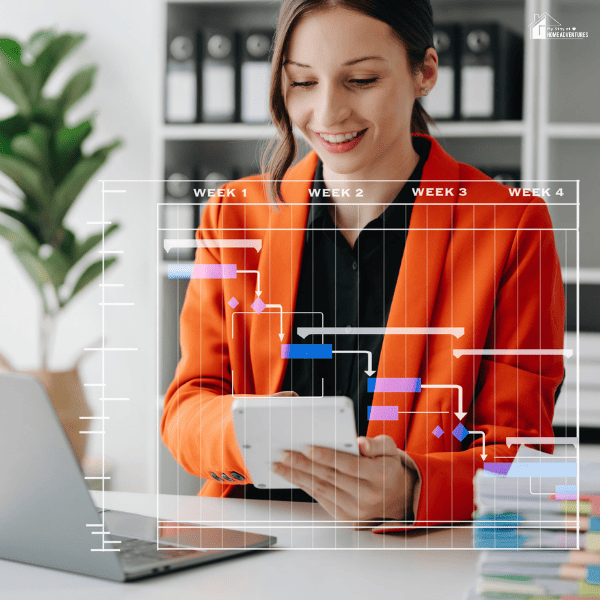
341,142
338,137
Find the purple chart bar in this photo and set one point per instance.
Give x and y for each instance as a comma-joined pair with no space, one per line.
382,413
394,384
214,272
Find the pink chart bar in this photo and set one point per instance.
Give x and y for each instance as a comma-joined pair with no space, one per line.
394,384
202,271
382,413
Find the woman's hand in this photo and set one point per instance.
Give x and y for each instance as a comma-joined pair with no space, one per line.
373,486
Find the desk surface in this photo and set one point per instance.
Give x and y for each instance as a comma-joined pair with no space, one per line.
361,565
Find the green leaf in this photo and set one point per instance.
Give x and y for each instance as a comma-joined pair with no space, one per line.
13,126
29,178
26,220
66,147
91,273
54,52
33,145
12,50
10,85
78,177
38,41
34,267
19,237
66,242
94,240
57,265
79,85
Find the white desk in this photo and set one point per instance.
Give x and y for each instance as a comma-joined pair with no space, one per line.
368,565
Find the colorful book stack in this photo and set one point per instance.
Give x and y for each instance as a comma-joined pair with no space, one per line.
538,546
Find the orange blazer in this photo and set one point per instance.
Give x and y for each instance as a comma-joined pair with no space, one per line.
475,258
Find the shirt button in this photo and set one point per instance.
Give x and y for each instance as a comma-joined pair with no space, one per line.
355,265
226,477
237,476
215,476
340,392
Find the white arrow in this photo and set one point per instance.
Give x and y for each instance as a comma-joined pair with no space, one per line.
369,370
484,455
282,312
258,290
460,414
280,317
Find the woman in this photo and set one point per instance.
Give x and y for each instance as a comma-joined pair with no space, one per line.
347,74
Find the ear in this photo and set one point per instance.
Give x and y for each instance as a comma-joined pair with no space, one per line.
427,77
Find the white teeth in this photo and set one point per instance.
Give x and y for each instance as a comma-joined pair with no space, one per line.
336,139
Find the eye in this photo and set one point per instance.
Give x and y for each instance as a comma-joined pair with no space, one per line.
302,83
363,82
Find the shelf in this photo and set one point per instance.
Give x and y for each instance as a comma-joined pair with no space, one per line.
589,131
479,129
217,131
589,276
243,131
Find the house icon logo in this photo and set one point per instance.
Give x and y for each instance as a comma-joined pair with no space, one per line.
538,30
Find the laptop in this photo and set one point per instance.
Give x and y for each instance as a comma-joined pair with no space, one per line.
48,518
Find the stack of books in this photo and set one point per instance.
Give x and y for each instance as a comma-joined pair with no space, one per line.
540,529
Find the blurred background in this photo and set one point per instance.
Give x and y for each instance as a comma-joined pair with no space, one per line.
511,100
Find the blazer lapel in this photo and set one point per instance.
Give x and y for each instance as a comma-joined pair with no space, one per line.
416,288
279,268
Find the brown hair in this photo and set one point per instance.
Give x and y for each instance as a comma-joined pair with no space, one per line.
411,22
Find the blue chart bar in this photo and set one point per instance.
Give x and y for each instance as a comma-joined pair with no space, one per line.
306,350
546,469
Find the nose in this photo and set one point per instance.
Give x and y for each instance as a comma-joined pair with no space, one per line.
333,106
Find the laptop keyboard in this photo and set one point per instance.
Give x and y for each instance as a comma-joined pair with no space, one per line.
140,553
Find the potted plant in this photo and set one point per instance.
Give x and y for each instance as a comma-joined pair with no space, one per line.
43,156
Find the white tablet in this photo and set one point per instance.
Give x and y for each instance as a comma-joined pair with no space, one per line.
265,426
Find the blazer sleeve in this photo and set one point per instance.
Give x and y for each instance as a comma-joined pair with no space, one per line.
514,395
197,425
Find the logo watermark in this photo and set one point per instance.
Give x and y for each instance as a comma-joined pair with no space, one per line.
546,27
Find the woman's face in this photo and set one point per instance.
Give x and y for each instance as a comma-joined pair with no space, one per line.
345,74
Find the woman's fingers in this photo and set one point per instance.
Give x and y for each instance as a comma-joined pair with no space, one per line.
378,446
284,394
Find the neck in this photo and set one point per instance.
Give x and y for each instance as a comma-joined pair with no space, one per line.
380,180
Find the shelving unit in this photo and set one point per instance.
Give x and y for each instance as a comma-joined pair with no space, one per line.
559,135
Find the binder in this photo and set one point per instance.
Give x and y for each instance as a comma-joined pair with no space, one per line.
220,80
255,76
181,79
212,177
442,102
491,72
180,220
508,176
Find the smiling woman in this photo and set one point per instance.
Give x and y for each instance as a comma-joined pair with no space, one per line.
411,257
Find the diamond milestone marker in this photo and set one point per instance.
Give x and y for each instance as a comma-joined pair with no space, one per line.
258,305
460,432
438,432
233,302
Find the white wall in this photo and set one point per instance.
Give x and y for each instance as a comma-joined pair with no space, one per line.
124,41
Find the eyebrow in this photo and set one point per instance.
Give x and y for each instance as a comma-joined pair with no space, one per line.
346,64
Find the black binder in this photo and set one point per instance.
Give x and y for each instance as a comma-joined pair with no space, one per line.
508,176
255,75
442,102
181,79
220,78
179,220
491,72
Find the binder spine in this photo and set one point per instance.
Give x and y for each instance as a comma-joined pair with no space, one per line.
255,75
220,77
181,79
